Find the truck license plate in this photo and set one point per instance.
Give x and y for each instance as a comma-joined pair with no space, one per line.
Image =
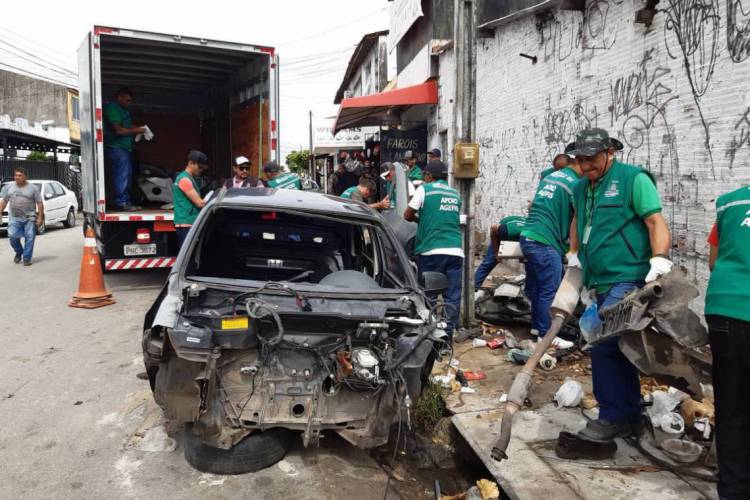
136,250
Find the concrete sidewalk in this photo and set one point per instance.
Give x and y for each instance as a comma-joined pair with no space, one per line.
533,471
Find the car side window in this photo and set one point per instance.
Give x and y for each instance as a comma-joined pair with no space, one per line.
58,189
49,192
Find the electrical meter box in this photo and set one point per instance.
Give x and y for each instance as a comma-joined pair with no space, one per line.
466,160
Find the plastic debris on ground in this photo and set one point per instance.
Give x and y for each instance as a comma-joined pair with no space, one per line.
468,390
547,362
471,375
483,490
479,343
569,394
518,356
504,398
511,342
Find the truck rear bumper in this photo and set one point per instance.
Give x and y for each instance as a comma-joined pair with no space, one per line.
138,263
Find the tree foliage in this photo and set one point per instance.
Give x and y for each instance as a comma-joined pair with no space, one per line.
38,156
298,161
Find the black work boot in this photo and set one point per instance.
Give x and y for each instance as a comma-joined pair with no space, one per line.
601,430
17,258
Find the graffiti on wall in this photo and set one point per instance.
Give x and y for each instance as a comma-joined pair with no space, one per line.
694,26
740,138
738,31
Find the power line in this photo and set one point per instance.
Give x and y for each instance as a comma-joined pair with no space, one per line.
321,33
37,62
45,47
26,72
35,56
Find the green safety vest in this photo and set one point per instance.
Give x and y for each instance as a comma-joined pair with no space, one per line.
439,218
728,291
514,224
349,192
551,211
546,172
184,210
614,240
289,180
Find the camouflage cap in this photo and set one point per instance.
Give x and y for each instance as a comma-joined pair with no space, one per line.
591,141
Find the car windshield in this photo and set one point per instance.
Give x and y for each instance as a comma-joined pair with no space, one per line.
324,251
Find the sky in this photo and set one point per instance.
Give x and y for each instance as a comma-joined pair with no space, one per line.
315,39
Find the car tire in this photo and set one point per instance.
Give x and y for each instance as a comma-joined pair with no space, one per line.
257,451
70,220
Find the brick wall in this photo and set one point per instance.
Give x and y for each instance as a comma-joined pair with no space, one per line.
676,94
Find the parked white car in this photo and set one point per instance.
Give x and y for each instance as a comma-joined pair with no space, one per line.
60,205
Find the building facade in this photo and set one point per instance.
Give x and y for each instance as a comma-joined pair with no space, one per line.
673,91
38,106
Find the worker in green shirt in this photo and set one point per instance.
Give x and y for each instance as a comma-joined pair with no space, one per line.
119,137
185,191
436,208
278,180
415,172
728,317
544,243
621,241
508,229
558,163
364,190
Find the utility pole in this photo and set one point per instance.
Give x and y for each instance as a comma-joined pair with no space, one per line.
311,157
464,33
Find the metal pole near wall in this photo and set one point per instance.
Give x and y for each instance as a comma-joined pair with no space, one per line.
311,160
464,33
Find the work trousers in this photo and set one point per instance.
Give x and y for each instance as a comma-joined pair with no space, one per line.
452,267
490,259
544,270
730,348
617,386
26,229
181,232
122,173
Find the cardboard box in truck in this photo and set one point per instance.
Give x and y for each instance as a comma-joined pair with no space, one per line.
217,97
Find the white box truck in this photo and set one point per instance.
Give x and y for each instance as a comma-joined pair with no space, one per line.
221,98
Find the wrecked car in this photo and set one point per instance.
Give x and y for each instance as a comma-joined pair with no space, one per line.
288,312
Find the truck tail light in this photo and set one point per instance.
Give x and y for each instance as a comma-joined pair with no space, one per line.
143,236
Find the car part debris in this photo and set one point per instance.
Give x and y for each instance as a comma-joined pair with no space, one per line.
564,304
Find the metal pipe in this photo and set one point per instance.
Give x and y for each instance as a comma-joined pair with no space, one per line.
520,388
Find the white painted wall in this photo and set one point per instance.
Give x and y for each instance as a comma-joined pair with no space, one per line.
676,94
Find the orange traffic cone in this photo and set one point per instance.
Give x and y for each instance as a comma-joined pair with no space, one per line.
91,290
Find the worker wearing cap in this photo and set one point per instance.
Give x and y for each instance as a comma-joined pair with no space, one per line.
728,318
436,208
415,172
622,241
187,201
278,180
434,154
242,177
544,243
362,191
508,229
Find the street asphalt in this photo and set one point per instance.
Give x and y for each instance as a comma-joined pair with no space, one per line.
78,423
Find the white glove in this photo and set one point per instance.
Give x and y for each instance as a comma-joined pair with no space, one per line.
147,134
572,258
659,267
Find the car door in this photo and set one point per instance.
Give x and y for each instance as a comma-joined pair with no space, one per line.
51,203
61,200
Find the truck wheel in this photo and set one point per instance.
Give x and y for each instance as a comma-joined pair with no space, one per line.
257,451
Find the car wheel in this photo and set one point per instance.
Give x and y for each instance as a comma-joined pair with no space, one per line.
257,451
70,220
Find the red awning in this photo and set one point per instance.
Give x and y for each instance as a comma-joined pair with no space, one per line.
383,108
